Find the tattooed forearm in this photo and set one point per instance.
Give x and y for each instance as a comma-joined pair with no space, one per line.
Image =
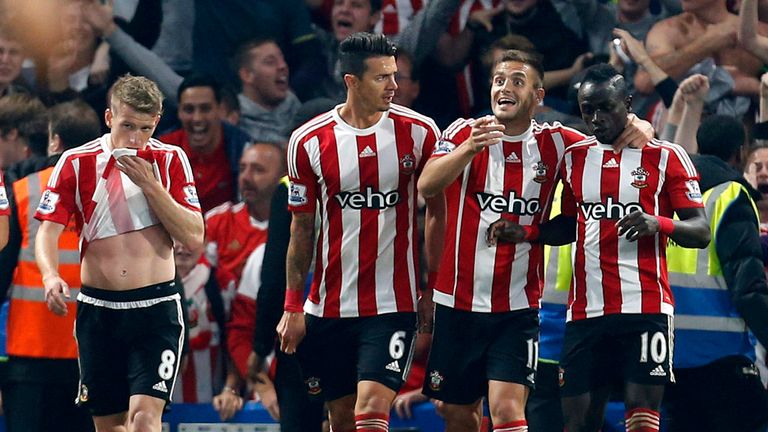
300,247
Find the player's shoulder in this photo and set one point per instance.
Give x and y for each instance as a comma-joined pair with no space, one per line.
158,146
675,151
405,114
570,135
89,149
673,148
459,128
312,127
223,211
581,145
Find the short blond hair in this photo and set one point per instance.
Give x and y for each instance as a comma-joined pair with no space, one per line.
139,93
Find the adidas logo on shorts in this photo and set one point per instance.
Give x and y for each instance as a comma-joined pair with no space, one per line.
394,367
160,387
658,371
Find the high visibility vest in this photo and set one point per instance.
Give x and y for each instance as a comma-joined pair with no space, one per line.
33,330
558,272
707,326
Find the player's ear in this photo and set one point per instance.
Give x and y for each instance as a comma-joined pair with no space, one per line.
350,81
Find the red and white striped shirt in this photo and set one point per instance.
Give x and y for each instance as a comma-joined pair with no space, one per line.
464,78
612,275
105,202
204,371
363,182
5,208
396,15
513,180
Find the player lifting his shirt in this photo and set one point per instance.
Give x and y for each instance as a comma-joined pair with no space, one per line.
132,197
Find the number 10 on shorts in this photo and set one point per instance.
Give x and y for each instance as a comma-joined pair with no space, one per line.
657,346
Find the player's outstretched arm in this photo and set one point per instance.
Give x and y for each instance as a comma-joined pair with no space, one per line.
691,231
561,230
434,239
440,172
184,225
47,258
291,327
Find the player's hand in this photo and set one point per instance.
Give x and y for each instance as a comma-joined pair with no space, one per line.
485,133
255,367
637,224
137,169
56,290
403,403
227,404
505,231
636,135
291,330
426,312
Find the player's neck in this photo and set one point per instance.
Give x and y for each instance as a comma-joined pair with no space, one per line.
357,115
516,127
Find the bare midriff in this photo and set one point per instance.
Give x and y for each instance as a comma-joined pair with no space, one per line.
129,261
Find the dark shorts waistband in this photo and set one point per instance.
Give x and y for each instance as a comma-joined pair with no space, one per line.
149,292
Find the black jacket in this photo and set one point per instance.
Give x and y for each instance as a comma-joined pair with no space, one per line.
737,243
269,303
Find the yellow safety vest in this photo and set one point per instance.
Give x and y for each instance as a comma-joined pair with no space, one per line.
707,326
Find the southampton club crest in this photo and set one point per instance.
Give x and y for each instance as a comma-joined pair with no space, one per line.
640,178
407,164
540,172
83,396
435,380
313,386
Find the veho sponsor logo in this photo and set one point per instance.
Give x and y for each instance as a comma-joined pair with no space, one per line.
368,199
610,209
508,204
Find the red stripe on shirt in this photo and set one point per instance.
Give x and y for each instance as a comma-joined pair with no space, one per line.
329,162
403,220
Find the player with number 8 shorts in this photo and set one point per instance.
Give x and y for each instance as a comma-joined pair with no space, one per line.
131,197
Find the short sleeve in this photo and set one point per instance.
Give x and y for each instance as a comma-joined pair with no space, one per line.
303,182
571,136
452,137
57,203
682,180
567,200
182,181
5,207
430,144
